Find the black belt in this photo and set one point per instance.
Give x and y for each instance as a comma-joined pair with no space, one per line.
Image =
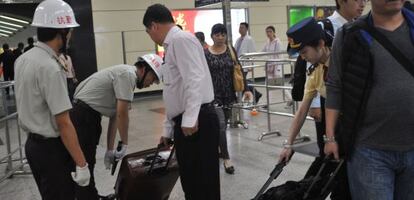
80,103
203,107
206,106
38,137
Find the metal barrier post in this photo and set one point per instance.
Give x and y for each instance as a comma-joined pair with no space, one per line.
10,170
269,126
248,58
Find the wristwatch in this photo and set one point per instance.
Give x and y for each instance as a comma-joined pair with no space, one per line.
286,144
327,139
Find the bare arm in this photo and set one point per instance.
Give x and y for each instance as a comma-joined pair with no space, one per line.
122,119
69,138
110,138
299,119
295,127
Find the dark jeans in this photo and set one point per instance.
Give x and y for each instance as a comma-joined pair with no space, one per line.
87,123
381,175
198,158
341,190
223,114
50,163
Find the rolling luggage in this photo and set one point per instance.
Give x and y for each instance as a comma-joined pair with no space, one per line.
147,175
316,187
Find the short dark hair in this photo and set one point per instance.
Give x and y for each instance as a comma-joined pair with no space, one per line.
218,28
157,13
408,5
272,28
200,36
20,45
30,40
5,46
245,24
47,34
337,4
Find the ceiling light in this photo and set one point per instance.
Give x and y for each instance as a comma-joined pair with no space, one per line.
10,24
1,34
8,28
14,19
4,31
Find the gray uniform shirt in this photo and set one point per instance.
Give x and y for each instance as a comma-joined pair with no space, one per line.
102,89
388,123
41,90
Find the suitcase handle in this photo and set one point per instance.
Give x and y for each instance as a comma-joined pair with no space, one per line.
317,176
159,146
273,175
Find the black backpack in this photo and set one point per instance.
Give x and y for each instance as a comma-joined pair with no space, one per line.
299,75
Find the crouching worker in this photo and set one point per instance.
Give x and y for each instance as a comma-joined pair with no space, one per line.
109,92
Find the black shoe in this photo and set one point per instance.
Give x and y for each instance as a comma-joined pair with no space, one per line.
229,170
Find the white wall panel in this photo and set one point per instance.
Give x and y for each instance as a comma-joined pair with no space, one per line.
109,21
138,41
99,5
108,49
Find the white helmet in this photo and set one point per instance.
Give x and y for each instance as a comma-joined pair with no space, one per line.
54,14
155,62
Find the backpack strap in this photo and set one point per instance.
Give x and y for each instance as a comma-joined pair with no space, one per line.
390,47
329,32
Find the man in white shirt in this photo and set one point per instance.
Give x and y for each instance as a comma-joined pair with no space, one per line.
245,43
190,116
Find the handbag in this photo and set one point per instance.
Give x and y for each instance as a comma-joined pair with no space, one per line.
238,80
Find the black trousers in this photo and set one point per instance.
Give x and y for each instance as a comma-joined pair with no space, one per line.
341,190
87,123
198,158
223,114
51,164
8,76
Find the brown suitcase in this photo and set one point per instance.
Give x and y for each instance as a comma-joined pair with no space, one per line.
141,177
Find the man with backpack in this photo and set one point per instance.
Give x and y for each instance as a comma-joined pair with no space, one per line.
371,69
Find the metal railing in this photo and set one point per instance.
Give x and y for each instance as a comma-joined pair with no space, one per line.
9,160
256,58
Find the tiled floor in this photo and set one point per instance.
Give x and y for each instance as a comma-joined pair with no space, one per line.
253,159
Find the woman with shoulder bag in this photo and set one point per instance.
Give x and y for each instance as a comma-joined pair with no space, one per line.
224,69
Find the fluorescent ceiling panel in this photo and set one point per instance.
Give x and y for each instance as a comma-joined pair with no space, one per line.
14,19
11,24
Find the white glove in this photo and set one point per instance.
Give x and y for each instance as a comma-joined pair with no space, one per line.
109,158
82,175
122,152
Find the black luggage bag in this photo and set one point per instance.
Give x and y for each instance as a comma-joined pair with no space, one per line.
316,187
147,175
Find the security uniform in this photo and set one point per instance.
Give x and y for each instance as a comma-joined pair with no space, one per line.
41,94
94,97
